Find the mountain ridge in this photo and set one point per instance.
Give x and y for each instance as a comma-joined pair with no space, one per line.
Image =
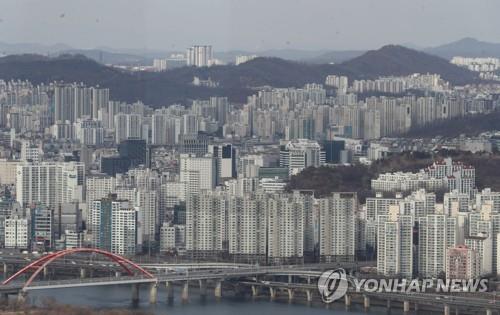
398,60
466,47
237,82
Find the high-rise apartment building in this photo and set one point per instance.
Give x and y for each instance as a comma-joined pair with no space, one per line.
163,130
17,233
198,173
395,244
147,203
206,224
299,154
419,204
247,227
127,126
339,82
113,224
30,152
460,177
482,244
462,263
89,132
172,237
199,56
49,183
337,227
226,158
285,229
379,205
436,233
74,101
124,230
42,234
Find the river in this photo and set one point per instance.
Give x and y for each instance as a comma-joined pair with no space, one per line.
119,297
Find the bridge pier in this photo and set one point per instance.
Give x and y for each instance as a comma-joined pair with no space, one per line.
83,273
21,297
406,306
218,289
185,292
118,274
488,311
347,299
170,292
135,294
255,290
153,293
388,305
45,272
309,296
291,293
203,288
273,293
366,302
5,270
290,278
446,309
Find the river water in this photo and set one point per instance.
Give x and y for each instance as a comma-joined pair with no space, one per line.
120,297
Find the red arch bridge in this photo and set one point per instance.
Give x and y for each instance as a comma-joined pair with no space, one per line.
23,281
41,263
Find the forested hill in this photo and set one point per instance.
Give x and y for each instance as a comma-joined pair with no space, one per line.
236,82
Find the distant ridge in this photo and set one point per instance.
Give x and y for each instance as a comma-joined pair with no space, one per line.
338,56
399,60
68,68
31,48
236,82
466,47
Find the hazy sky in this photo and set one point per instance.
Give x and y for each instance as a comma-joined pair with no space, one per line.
247,24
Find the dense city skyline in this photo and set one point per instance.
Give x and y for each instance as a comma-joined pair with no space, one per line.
232,25
296,167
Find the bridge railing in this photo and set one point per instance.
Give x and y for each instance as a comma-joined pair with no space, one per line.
69,282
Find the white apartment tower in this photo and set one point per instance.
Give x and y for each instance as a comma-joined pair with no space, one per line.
337,236
247,227
206,222
436,234
147,203
127,126
226,158
285,229
198,173
199,56
99,186
124,231
395,244
379,205
419,204
163,130
482,244
113,224
49,183
172,237
17,233
29,152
